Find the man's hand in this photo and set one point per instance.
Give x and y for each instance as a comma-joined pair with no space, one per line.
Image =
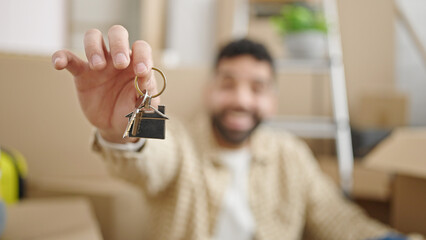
105,83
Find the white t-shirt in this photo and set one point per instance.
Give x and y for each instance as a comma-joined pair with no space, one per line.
235,220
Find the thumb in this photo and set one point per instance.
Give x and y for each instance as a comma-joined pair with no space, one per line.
65,59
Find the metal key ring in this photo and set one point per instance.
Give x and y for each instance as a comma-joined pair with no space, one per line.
159,93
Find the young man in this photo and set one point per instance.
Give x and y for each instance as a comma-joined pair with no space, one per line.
226,177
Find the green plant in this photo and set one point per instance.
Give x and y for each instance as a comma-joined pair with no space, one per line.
298,17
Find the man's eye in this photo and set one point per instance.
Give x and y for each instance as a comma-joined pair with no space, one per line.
258,88
226,83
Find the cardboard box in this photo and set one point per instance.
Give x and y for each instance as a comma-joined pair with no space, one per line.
118,206
368,46
368,184
381,109
48,219
371,190
404,155
41,118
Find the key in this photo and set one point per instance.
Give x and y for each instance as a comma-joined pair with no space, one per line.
136,123
140,103
130,123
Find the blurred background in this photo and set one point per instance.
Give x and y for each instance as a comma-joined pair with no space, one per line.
383,50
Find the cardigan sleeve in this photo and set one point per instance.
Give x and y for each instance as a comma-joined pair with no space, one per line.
153,167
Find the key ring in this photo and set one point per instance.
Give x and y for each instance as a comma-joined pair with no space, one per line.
159,93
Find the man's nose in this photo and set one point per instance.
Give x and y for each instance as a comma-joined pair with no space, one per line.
243,98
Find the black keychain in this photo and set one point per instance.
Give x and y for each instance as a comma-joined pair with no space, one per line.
146,121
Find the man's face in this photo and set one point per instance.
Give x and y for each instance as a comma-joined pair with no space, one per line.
239,97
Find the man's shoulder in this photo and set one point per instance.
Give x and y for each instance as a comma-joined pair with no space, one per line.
281,145
279,137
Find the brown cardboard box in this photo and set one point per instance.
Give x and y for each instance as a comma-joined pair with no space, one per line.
368,47
403,154
118,206
368,183
48,219
41,118
371,189
381,109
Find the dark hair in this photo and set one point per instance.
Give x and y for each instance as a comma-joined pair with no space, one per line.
245,47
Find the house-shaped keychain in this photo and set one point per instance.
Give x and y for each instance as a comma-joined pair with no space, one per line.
149,124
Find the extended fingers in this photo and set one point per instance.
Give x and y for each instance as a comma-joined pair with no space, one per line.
142,63
119,46
95,49
142,58
66,59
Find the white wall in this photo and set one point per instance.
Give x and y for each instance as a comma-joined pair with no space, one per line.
410,68
44,26
32,27
102,14
190,35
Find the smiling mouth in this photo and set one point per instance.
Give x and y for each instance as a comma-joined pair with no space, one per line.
235,125
238,120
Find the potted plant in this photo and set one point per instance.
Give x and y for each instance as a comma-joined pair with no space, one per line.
304,30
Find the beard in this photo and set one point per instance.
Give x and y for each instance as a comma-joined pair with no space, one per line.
234,137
